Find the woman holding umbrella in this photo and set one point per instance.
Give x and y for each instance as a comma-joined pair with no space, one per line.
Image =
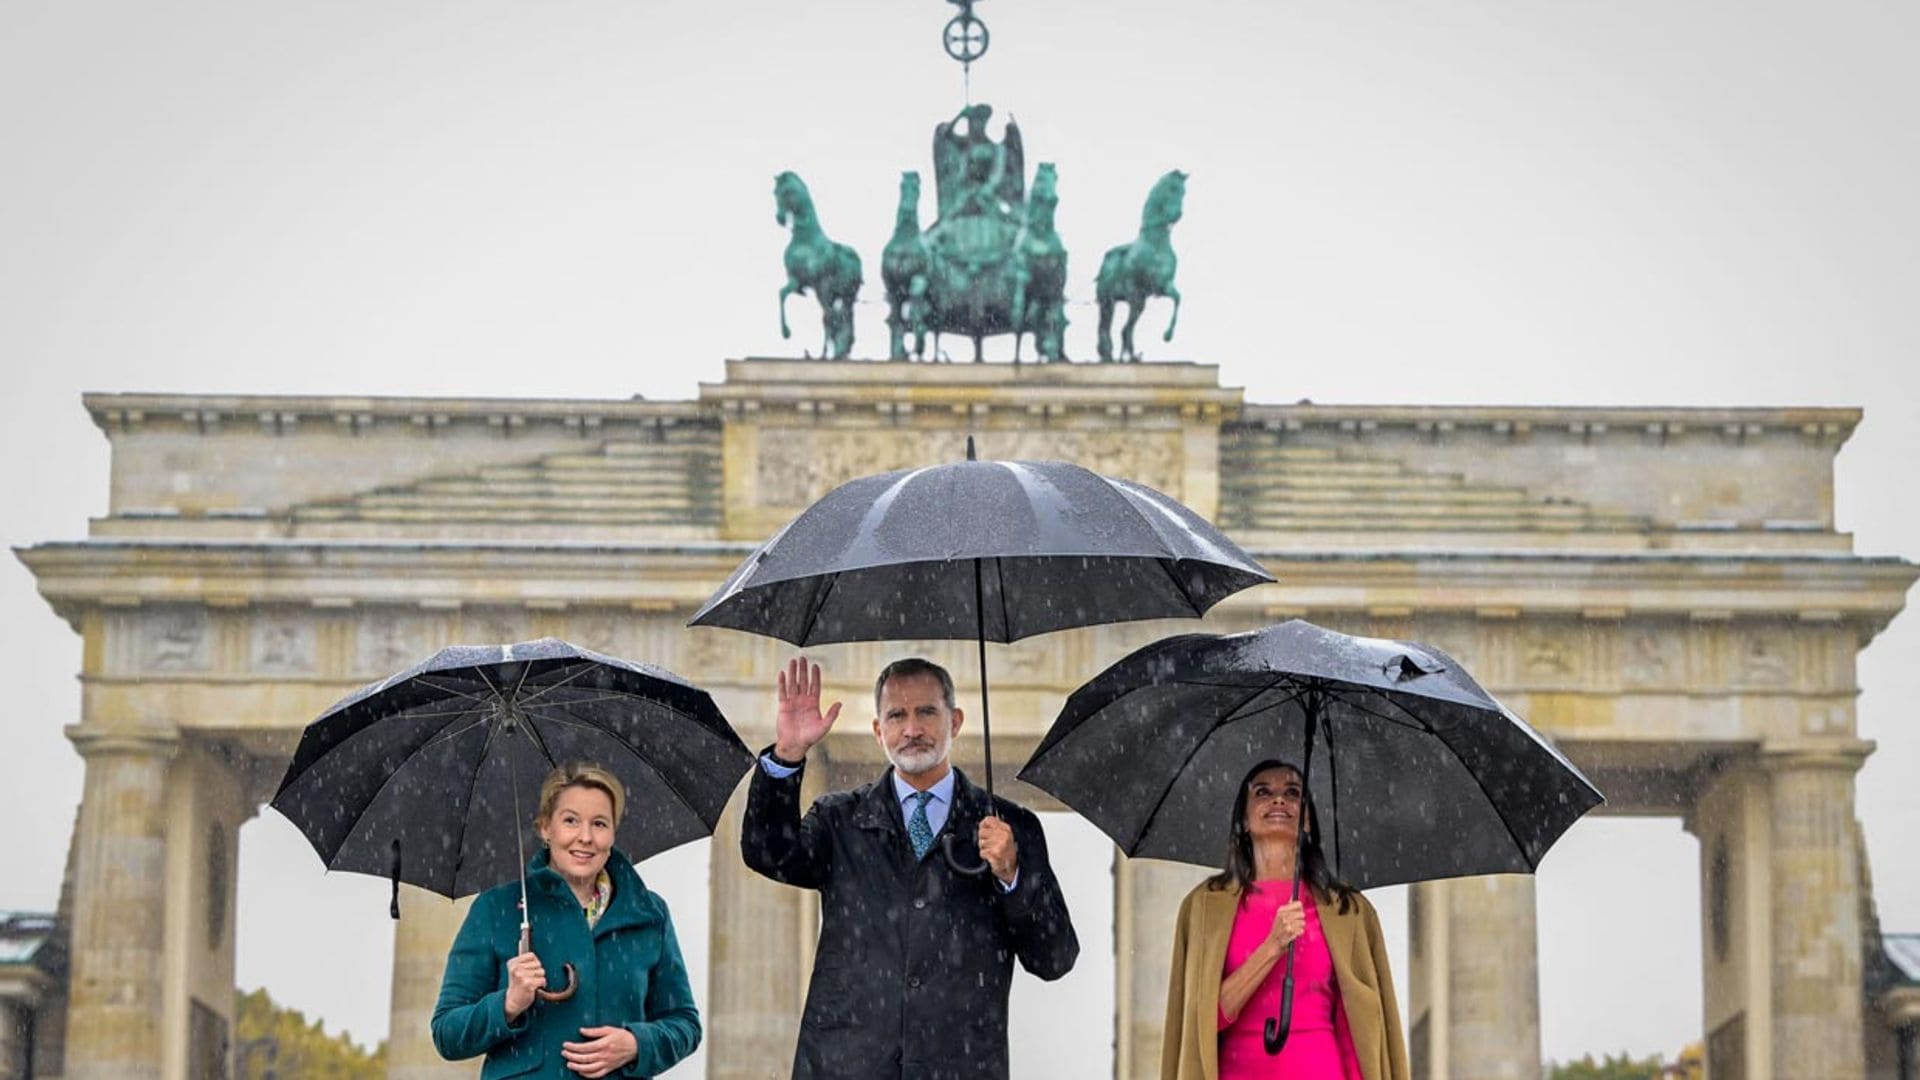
1230,951
631,1013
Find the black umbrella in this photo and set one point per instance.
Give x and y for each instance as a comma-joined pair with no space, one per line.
431,775
990,550
1423,775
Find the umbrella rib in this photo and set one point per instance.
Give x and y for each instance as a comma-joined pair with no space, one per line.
589,700
654,702
479,699
1178,588
460,841
1477,783
384,784
362,730
637,756
1147,822
814,609
446,735
585,669
1006,620
1234,715
1414,725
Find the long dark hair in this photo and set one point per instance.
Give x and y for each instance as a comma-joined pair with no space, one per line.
1313,863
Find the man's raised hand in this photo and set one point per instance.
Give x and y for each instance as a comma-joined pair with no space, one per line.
799,723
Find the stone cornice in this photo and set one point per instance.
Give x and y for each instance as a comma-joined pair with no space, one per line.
1823,425
970,394
1864,592
280,414
1843,755
145,741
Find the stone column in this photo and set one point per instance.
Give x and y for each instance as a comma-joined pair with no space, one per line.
761,937
1146,901
15,1016
115,1006
1730,815
420,942
1474,986
1815,912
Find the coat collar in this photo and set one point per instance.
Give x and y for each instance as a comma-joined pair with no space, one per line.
877,807
632,904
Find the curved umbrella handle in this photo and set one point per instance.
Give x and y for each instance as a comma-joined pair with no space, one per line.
573,983
1275,1035
946,844
544,994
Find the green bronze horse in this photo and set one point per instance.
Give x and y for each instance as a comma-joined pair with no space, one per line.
1040,262
906,267
1132,273
815,262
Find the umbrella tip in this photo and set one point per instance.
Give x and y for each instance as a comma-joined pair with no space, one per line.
970,456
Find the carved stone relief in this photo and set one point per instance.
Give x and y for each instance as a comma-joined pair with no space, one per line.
1549,653
1648,658
390,642
282,645
493,626
813,461
1764,658
599,630
174,640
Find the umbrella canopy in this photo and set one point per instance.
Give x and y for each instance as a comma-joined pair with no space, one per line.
894,556
432,776
990,550
1415,771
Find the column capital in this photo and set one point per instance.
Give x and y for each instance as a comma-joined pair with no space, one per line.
1841,754
1901,1005
162,741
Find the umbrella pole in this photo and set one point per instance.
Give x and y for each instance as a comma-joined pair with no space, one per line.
1275,1034
520,847
526,928
986,712
986,708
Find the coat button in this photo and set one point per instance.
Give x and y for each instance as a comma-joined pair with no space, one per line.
920,903
913,983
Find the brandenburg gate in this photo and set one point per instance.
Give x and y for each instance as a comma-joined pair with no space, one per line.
1660,590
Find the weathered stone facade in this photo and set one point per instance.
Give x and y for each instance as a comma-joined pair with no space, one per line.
1661,590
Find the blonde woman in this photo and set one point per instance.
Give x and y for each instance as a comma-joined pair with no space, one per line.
632,1014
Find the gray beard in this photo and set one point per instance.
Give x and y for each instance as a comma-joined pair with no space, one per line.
913,762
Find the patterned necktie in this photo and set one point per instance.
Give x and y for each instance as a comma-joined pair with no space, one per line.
919,830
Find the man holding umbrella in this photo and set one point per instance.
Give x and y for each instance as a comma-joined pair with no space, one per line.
915,955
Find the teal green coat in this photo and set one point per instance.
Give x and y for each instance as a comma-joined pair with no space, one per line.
631,976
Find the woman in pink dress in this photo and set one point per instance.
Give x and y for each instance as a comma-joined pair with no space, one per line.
1230,947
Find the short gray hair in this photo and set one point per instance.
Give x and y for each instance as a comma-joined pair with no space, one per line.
910,667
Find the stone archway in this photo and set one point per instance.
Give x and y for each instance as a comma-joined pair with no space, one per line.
1662,591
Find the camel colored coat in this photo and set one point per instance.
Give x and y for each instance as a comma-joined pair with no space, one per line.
1190,1049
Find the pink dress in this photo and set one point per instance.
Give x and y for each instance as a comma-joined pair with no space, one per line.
1319,1044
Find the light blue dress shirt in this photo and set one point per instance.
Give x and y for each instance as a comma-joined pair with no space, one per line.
937,807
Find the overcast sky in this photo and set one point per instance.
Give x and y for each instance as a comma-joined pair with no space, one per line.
1631,202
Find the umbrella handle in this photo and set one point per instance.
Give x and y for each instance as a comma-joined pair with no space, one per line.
544,994
946,843
1275,1035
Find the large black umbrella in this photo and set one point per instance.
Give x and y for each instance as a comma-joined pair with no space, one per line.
990,550
1417,773
432,775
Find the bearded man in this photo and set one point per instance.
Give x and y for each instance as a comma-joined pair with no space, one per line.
915,954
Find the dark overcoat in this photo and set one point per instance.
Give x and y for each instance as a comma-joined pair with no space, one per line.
910,978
